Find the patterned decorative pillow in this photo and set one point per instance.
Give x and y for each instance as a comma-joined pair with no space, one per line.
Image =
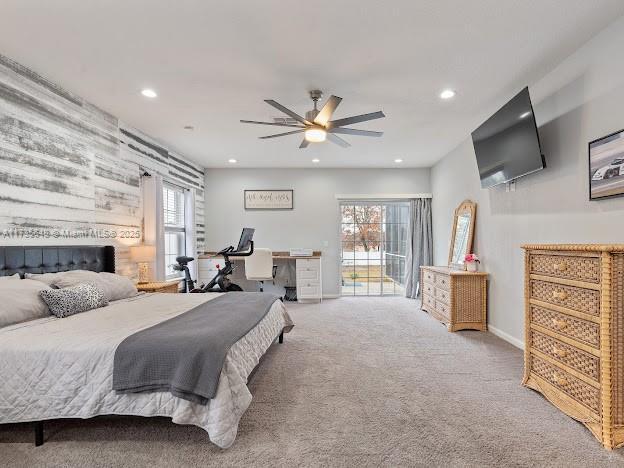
70,301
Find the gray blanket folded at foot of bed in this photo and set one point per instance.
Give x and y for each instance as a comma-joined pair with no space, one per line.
185,355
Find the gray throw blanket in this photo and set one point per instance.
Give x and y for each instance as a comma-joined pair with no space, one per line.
185,355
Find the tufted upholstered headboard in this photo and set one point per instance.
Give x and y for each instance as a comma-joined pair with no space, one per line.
52,259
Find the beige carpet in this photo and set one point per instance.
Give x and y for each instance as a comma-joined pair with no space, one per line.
359,382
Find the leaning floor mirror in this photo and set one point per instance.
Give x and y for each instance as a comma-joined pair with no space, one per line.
462,234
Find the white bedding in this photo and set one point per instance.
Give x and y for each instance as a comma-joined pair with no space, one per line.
63,368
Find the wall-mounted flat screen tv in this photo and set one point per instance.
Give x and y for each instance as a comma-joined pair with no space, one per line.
507,144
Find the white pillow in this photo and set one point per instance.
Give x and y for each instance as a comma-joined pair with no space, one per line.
13,277
47,278
114,286
67,279
20,301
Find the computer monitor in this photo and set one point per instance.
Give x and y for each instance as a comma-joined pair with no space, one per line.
245,239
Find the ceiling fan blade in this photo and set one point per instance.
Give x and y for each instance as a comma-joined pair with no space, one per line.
282,134
337,140
271,123
287,111
354,131
355,119
304,144
328,109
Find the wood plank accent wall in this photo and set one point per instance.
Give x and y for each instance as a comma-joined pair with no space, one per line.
68,167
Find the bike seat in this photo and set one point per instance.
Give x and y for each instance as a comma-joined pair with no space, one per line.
184,259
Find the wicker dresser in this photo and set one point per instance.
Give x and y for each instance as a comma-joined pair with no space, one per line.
574,332
457,298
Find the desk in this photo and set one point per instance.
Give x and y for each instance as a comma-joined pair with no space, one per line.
308,278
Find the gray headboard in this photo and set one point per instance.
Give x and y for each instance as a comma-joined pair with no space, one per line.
52,259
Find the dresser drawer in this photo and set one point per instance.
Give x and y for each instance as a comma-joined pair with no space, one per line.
304,263
578,390
578,329
308,291
443,309
442,281
209,263
429,301
443,295
571,297
568,267
429,276
307,275
428,288
578,360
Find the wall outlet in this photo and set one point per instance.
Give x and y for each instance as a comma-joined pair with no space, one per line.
325,243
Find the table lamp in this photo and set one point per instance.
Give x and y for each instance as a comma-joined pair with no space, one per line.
143,254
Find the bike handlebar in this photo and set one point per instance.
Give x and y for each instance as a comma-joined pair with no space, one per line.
230,252
234,253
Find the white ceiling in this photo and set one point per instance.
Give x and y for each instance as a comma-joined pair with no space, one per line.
214,62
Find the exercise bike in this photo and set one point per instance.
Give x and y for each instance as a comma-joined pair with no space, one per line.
221,281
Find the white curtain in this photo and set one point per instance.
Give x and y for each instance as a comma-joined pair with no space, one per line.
153,222
419,244
189,226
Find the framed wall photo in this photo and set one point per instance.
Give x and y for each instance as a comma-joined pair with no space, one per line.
606,166
269,199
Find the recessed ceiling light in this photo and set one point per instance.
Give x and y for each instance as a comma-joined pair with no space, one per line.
447,94
525,114
150,93
398,161
189,127
232,161
316,160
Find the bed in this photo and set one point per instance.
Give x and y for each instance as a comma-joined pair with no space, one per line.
63,368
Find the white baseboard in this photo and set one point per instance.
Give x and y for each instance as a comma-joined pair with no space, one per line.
331,296
507,337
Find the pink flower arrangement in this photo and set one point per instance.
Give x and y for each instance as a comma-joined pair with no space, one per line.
469,258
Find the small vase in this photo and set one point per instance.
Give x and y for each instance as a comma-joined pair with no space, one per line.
472,266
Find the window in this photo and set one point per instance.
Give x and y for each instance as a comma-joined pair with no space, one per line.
175,232
374,247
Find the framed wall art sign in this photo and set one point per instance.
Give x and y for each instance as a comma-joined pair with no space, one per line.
606,166
268,199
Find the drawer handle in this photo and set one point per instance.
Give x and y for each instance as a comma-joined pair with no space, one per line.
560,352
561,381
560,295
560,267
559,324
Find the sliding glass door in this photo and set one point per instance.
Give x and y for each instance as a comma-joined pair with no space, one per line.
374,247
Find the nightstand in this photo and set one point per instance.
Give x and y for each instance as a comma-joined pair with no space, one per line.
159,287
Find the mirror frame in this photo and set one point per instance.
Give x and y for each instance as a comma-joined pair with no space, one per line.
467,206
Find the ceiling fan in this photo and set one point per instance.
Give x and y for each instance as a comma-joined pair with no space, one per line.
317,126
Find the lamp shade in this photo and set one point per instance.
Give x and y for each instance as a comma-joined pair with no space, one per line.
142,253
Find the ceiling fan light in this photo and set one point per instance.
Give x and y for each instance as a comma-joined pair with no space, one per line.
315,135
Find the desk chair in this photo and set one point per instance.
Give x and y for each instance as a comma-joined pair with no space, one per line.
259,267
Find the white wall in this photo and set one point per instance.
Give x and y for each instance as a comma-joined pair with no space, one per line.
580,100
315,218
